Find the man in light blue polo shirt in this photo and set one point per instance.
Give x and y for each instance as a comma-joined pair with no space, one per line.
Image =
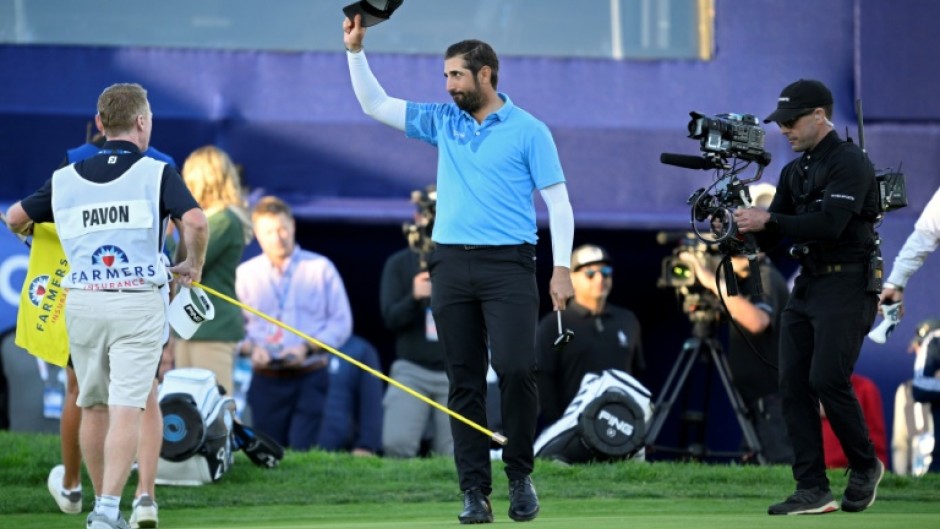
492,157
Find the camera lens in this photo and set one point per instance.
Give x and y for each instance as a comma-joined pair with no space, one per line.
681,272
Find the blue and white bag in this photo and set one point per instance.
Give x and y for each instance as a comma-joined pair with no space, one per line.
197,428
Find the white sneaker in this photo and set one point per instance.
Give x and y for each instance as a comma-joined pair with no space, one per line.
144,513
69,502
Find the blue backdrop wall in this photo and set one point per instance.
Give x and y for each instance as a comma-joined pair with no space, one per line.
292,121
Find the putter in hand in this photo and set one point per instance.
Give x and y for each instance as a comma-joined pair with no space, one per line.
564,335
892,314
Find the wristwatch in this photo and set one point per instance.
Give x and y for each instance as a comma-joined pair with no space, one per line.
892,286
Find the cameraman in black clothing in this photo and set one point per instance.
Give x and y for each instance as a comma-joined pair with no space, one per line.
605,336
826,201
405,295
754,370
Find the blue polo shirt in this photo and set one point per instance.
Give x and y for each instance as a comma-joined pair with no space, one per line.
487,173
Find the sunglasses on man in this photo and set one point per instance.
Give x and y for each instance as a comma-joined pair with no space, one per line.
790,123
604,271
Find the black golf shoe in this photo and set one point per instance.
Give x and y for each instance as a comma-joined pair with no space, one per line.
862,488
806,501
523,502
476,507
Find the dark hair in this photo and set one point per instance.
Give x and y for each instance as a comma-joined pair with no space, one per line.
828,110
476,54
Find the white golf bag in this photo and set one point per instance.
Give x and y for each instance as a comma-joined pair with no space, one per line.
197,428
605,421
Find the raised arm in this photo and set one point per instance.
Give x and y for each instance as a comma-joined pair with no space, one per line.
372,97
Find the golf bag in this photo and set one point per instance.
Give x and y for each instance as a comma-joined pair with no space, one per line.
197,428
605,421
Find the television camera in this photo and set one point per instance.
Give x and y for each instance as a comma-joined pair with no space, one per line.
679,272
730,143
418,233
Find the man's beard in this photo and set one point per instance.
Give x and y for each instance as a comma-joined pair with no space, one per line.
469,102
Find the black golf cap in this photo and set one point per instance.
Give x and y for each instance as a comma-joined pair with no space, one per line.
798,98
372,11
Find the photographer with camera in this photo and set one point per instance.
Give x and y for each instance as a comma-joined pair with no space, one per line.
827,203
753,342
405,299
754,334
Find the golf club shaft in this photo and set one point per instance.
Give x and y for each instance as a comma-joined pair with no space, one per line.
558,312
501,439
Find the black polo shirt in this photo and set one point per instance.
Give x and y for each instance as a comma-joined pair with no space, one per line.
175,198
609,340
829,198
406,316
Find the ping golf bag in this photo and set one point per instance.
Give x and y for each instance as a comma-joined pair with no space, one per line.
605,421
197,428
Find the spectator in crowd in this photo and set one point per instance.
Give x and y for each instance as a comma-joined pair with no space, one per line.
605,336
117,352
213,179
405,300
64,481
304,290
912,433
870,399
925,387
352,416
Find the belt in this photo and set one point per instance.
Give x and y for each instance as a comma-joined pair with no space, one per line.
836,268
292,372
128,290
469,247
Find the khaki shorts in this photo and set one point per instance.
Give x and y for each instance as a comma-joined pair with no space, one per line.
115,339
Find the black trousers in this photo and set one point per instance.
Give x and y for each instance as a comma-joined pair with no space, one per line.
487,298
823,326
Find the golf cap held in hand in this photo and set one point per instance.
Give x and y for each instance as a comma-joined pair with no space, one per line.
798,98
372,11
189,309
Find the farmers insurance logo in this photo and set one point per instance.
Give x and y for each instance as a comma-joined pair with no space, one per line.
108,255
37,289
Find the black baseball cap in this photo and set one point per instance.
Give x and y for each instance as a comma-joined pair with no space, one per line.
372,11
798,98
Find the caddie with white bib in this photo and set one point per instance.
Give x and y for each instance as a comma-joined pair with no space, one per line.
110,211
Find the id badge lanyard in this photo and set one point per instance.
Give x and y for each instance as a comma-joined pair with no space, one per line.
281,291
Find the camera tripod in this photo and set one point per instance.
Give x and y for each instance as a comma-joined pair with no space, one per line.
703,346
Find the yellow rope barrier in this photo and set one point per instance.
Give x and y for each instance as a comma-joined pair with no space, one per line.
499,438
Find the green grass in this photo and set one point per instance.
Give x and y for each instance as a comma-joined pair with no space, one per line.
318,489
